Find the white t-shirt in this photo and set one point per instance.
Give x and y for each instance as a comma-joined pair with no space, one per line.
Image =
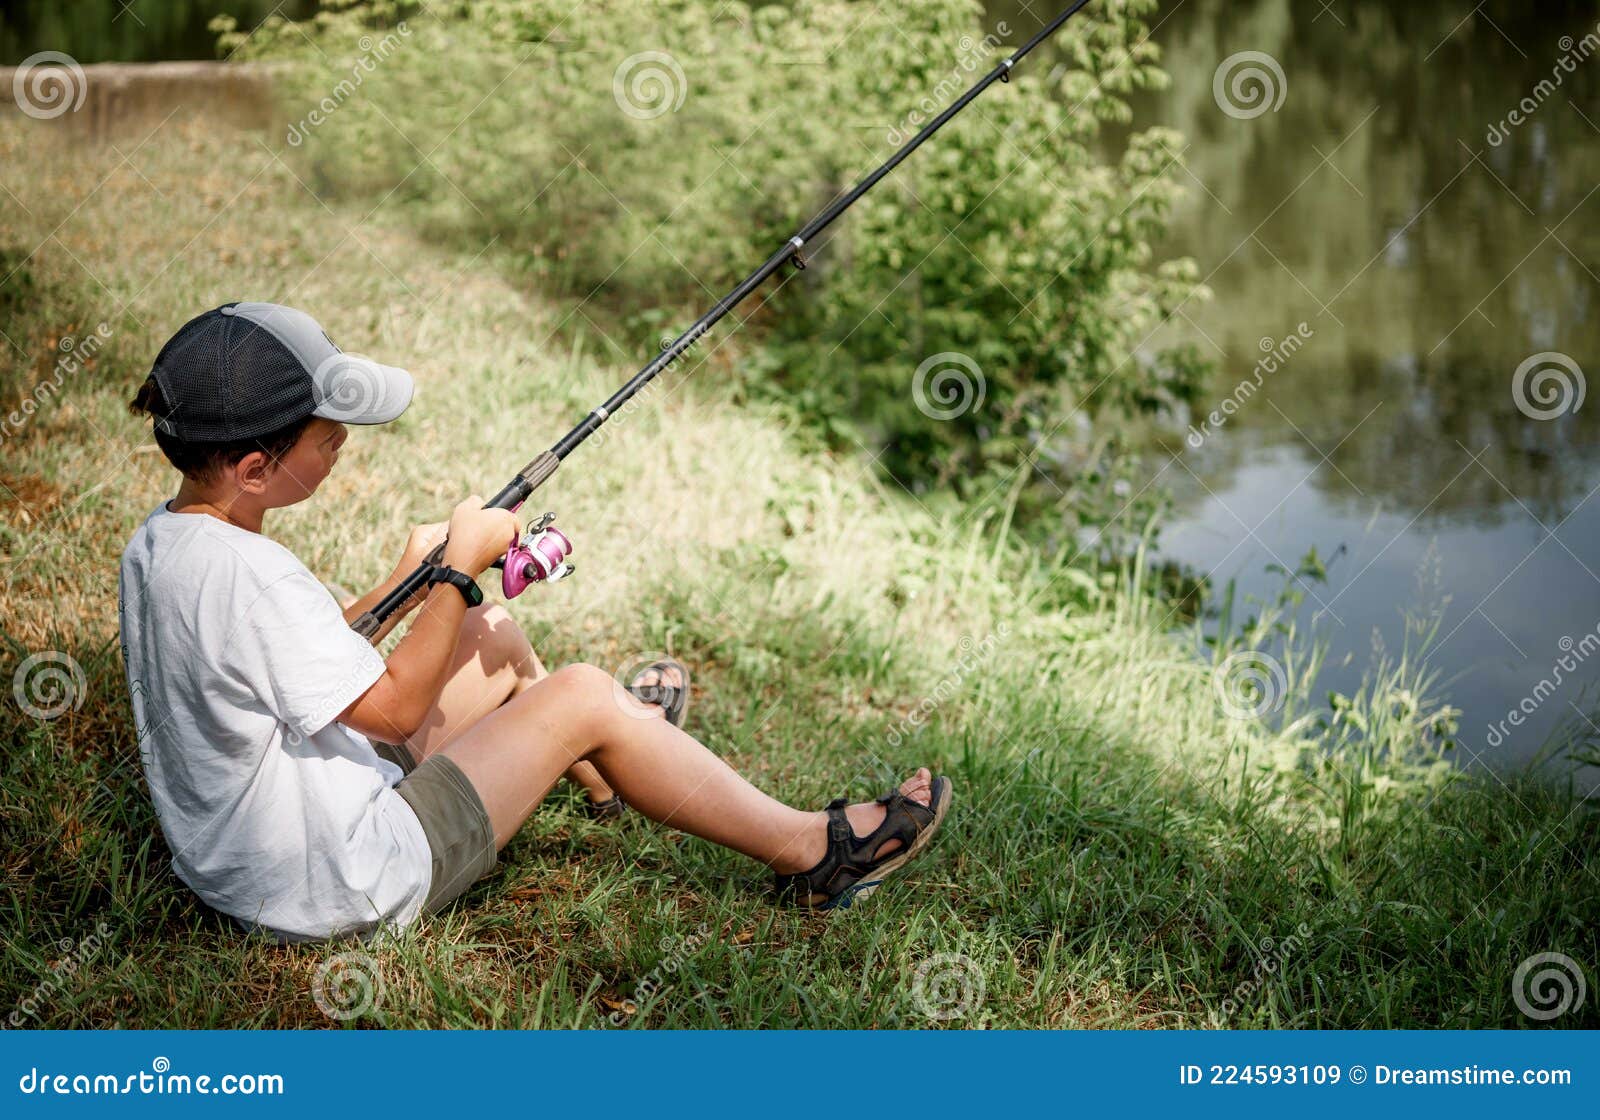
238,660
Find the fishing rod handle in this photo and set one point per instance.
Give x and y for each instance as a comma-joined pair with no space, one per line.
529,479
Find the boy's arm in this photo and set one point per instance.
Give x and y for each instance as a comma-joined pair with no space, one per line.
356,609
414,674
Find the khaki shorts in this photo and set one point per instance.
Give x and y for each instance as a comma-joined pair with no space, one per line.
453,819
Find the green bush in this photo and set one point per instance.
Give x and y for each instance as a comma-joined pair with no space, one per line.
650,152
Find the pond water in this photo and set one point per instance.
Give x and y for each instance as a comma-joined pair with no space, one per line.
1432,245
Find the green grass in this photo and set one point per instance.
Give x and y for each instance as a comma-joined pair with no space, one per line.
1121,854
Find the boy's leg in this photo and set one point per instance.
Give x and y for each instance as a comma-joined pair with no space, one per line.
493,662
514,755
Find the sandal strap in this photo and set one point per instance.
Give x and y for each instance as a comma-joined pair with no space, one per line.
658,693
671,698
609,809
837,869
895,802
851,858
903,819
839,830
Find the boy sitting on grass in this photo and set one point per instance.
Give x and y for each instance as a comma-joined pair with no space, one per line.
309,788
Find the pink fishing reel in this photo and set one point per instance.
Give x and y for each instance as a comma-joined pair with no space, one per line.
539,557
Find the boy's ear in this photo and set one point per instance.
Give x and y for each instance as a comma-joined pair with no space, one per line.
253,472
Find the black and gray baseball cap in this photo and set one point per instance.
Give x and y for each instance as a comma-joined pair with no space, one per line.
246,369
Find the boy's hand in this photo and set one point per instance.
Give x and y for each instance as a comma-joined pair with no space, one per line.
478,536
422,541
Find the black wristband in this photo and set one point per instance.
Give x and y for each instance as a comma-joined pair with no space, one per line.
470,591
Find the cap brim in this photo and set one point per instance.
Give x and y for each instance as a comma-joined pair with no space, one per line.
356,390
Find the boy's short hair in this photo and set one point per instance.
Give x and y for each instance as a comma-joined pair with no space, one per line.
202,460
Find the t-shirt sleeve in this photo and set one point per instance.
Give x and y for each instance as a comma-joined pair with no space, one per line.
298,654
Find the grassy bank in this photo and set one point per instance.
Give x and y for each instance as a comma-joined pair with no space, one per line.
1123,853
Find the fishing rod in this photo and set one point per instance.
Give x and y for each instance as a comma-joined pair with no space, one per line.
540,555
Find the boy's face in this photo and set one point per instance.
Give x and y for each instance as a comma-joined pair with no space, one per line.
308,462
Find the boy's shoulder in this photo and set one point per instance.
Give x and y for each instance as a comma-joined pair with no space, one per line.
204,543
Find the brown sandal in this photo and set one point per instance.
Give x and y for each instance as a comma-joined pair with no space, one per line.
608,810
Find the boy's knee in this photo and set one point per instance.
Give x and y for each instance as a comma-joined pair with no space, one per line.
588,693
584,678
491,620
492,631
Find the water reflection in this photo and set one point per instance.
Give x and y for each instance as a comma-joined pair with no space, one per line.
1429,263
